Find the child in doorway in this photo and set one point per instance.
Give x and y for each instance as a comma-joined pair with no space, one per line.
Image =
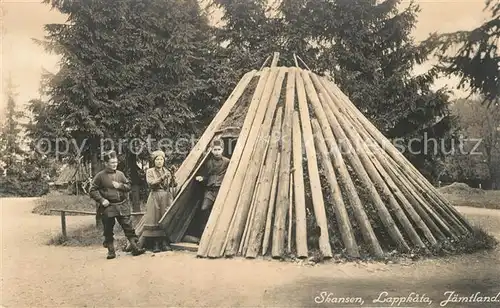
211,175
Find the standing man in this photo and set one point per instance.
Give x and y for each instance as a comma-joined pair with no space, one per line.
110,189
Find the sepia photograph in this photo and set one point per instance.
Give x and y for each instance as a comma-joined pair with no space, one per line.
250,153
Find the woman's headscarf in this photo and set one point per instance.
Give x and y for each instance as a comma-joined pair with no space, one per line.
155,154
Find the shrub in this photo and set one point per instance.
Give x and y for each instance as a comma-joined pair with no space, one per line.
19,186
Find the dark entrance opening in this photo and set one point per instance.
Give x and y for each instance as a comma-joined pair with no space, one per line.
197,224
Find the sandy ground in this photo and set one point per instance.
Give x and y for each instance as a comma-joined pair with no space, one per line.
37,275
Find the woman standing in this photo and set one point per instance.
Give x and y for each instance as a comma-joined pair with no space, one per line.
159,180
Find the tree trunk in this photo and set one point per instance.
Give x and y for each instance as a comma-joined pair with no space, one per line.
95,166
135,182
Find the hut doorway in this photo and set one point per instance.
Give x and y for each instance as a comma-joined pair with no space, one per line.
229,136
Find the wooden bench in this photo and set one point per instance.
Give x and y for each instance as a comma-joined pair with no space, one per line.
88,213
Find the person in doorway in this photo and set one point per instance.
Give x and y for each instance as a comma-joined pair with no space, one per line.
160,181
211,175
110,189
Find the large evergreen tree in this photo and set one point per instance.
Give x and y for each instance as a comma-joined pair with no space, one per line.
479,124
477,59
245,32
374,55
10,145
134,69
366,45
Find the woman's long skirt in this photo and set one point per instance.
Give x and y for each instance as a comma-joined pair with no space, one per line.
158,203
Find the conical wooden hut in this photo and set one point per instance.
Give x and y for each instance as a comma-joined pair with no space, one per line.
303,147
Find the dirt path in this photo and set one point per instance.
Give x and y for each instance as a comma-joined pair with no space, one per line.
36,275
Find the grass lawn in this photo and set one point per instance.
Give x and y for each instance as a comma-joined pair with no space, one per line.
87,235
61,200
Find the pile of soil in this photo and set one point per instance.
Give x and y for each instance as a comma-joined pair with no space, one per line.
461,189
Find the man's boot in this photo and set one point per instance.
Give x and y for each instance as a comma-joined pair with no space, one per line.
141,241
127,248
156,248
165,245
111,251
136,251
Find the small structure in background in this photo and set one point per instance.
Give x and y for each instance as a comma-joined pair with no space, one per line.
75,177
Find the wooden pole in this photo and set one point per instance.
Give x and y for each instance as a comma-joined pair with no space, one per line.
248,224
443,208
417,202
357,117
415,178
337,201
431,207
261,207
282,201
410,171
299,190
194,155
290,216
270,210
63,225
217,209
403,190
244,152
247,174
357,206
276,57
307,67
265,62
423,207
342,131
252,204
394,153
392,190
371,182
378,175
312,165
